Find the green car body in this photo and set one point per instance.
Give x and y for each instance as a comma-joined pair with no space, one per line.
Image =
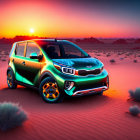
33,61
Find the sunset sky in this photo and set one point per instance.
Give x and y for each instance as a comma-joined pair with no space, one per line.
70,18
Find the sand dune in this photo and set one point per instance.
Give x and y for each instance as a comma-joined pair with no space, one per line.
89,117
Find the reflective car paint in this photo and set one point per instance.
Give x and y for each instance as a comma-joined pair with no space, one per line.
30,71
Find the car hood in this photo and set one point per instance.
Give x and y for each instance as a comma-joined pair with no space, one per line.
80,63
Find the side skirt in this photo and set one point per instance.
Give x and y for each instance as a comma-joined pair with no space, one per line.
26,85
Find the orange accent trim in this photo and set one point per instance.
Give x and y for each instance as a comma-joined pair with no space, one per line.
76,72
57,67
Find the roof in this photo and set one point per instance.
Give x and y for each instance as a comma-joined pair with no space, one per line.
43,40
49,40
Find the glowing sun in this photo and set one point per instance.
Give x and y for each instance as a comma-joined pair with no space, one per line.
31,30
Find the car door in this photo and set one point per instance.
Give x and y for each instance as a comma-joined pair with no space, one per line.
18,61
32,66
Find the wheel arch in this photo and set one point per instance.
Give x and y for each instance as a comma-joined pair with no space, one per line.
45,75
42,77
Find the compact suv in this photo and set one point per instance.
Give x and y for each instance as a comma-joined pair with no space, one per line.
56,68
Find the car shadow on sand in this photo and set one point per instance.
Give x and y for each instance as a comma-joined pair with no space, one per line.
30,99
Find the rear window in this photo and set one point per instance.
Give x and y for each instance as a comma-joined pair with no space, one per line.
20,49
32,48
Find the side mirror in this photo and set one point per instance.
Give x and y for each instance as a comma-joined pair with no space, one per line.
34,55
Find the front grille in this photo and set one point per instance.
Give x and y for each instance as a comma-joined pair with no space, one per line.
89,86
87,72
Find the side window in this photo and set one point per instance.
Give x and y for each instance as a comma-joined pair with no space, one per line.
20,49
31,48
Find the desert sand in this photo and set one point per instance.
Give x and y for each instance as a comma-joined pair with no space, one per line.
88,117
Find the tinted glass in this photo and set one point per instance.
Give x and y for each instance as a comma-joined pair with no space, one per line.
62,50
31,48
20,49
72,52
53,51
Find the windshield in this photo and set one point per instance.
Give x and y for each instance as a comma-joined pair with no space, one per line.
63,50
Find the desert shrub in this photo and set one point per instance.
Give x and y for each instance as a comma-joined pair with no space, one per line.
11,116
135,94
135,61
112,61
121,58
3,60
108,55
134,110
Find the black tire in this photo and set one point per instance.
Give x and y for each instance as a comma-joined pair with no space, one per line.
11,80
50,91
100,93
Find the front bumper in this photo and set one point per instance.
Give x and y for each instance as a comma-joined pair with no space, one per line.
90,91
93,84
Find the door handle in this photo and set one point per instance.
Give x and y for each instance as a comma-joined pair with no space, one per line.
23,62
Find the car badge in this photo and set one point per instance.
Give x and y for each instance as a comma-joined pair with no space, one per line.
88,66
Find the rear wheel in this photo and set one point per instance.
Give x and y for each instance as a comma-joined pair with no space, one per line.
11,80
49,91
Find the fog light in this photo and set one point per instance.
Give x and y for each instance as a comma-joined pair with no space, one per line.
69,85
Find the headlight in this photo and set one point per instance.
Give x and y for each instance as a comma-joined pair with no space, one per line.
64,69
68,70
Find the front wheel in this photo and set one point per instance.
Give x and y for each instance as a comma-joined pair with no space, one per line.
49,91
100,93
11,80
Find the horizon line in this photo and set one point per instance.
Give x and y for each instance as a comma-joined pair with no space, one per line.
69,37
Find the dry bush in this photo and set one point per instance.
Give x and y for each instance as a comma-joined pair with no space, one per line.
135,94
11,116
3,59
112,61
135,61
134,110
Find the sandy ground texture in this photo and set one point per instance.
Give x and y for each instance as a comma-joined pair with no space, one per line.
89,117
